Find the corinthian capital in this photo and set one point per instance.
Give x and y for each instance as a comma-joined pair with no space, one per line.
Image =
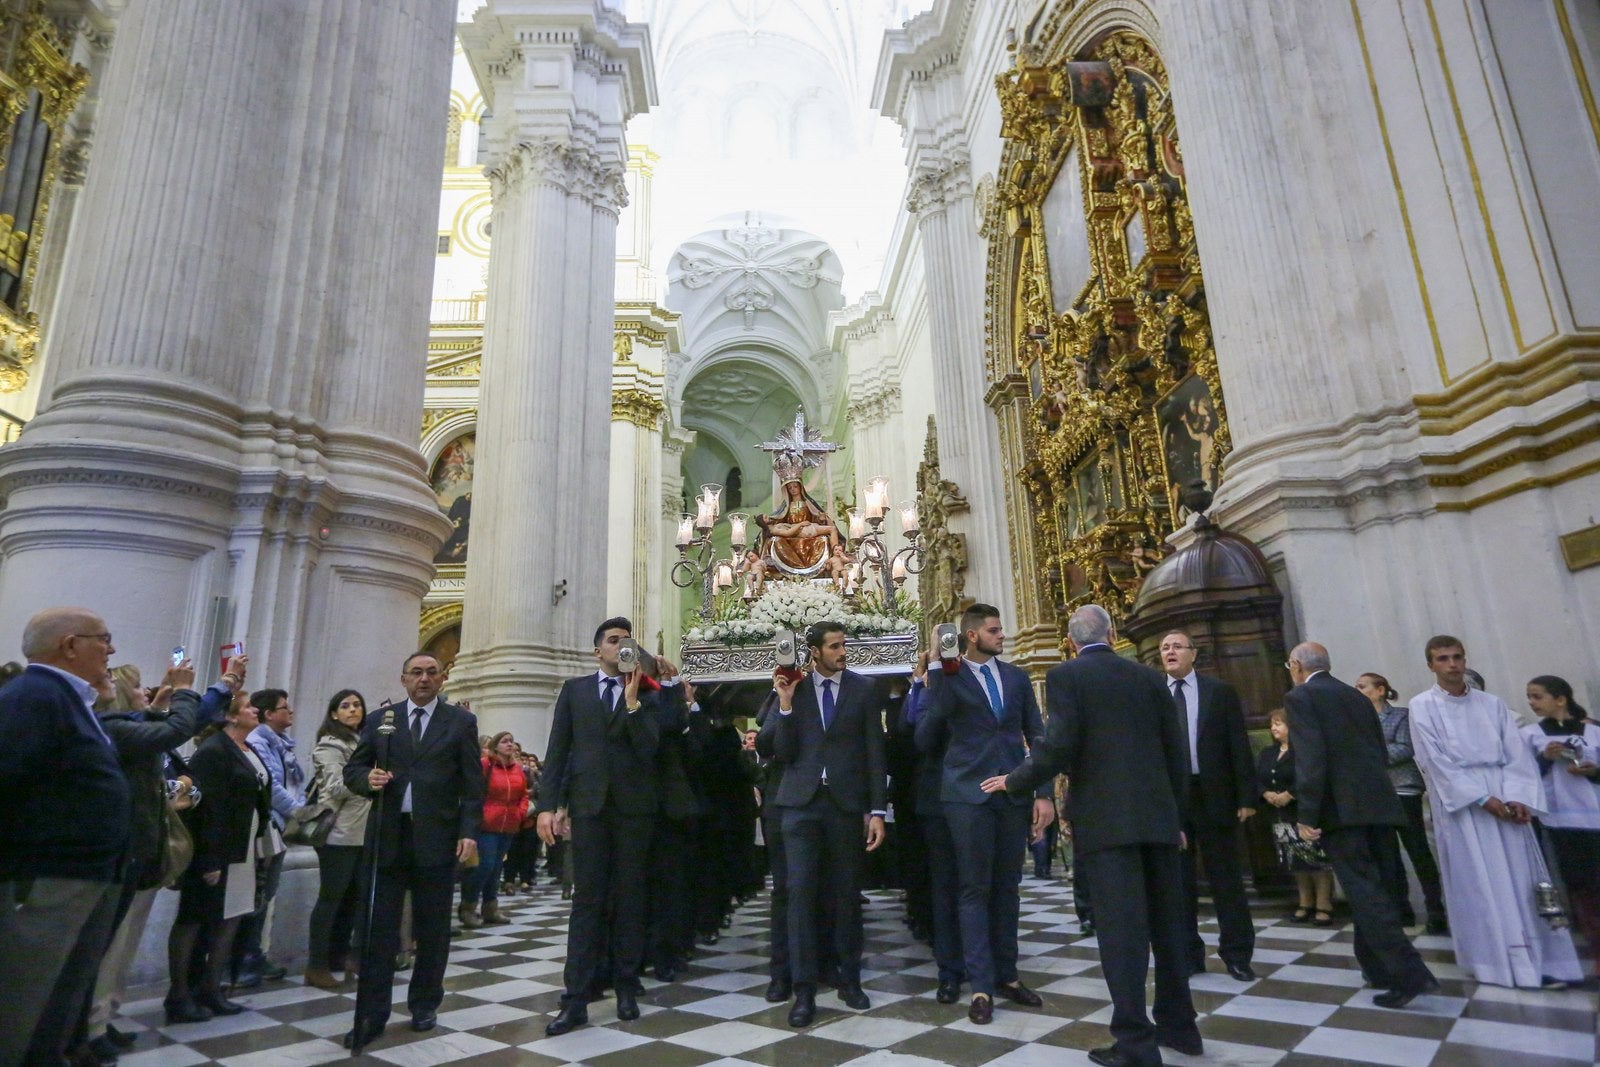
576,169
941,177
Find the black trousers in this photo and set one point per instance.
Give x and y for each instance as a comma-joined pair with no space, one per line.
341,901
946,896
432,889
670,933
990,840
610,858
1139,909
1414,837
1363,860
1218,846
772,833
820,840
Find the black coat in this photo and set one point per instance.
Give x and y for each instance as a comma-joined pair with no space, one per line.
445,775
1227,779
1112,731
1341,762
958,720
676,754
230,794
142,744
602,757
851,749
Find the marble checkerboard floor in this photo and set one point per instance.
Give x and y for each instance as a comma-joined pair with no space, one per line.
1306,1008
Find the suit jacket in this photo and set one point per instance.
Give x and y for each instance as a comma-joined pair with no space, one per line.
851,749
1112,731
445,774
67,800
1227,774
766,740
602,757
957,718
220,823
675,754
1341,762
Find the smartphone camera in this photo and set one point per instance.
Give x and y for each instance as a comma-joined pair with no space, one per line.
179,654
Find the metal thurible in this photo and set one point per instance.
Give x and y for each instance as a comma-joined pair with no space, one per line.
1548,904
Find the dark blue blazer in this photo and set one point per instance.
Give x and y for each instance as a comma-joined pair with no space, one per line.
445,773
851,749
957,718
68,806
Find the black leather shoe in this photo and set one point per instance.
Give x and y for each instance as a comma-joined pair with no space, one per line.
219,1005
982,1010
1109,1057
853,997
186,1011
1018,993
363,1034
1188,1042
103,1050
627,1006
805,1007
1399,998
572,1015
779,990
423,1021
949,992
1241,972
119,1038
271,972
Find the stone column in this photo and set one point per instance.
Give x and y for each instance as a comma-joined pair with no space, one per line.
226,442
560,81
920,86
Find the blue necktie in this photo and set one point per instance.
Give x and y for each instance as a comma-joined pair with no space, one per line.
995,702
827,703
611,694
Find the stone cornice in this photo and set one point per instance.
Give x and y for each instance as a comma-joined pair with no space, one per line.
502,35
929,43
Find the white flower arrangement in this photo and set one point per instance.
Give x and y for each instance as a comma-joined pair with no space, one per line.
788,605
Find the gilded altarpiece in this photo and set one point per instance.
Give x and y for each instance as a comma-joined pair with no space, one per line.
39,87
1106,380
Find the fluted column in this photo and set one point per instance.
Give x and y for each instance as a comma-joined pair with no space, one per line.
560,80
921,86
225,447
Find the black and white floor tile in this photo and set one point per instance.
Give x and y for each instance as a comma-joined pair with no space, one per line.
1307,1008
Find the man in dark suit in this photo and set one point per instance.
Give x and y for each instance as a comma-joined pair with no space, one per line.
984,717
601,764
65,839
1221,796
422,763
1113,733
828,734
1347,802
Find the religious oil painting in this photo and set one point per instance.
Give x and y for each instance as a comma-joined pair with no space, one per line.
1091,492
452,485
1188,420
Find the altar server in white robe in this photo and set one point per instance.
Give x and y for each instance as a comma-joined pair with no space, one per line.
1484,789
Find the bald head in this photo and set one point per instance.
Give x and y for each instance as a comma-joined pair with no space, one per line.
72,639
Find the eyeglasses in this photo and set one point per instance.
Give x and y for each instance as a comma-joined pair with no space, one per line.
98,637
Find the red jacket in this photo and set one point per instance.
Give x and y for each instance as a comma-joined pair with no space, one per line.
505,800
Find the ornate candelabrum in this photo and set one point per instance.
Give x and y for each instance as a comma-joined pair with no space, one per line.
697,560
867,543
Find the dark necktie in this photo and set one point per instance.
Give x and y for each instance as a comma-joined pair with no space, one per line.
1182,705
611,694
996,704
827,703
416,726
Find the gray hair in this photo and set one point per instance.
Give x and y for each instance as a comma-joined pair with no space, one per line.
1089,625
46,630
1311,657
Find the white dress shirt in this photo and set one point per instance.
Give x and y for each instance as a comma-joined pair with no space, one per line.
1191,700
427,717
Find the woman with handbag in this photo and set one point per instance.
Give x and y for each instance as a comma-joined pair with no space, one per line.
1313,874
505,802
230,829
339,898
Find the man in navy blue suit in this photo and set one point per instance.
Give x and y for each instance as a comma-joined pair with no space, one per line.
985,718
65,840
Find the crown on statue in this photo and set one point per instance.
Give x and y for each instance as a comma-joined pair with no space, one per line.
788,467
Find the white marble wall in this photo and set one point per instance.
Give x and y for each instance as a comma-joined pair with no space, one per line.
231,398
